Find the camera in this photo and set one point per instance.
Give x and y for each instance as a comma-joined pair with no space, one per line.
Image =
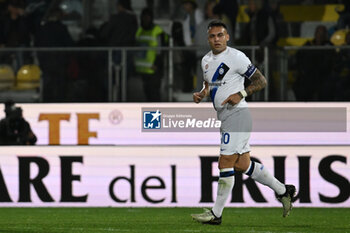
15,113
14,129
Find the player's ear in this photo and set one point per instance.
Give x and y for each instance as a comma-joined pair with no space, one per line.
227,36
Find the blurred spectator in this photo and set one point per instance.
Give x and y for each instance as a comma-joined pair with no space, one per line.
315,73
14,129
35,11
228,9
281,26
15,32
320,38
342,64
194,17
261,29
72,9
343,23
88,81
181,73
14,26
149,63
53,33
201,37
121,28
120,31
344,16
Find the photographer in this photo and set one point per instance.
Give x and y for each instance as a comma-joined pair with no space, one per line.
14,129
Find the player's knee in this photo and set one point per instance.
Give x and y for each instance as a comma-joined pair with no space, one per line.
243,162
226,161
241,167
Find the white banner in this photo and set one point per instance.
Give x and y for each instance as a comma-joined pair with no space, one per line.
157,176
122,124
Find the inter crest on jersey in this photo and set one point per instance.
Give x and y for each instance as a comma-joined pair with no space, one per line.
220,72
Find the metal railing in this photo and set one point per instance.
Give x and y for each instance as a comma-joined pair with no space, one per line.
116,70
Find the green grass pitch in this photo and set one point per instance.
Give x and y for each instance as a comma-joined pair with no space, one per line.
175,220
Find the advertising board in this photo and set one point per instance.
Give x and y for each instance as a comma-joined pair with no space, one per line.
160,176
184,123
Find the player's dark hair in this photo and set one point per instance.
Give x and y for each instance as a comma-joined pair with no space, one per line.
217,23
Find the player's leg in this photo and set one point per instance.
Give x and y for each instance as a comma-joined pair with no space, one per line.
234,142
258,172
225,185
235,133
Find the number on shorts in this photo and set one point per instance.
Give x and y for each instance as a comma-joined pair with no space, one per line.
225,138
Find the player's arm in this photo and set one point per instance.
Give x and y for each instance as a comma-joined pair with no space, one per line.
258,82
198,96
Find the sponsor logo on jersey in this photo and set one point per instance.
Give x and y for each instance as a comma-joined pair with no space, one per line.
216,84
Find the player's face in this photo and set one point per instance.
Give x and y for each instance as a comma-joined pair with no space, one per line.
218,37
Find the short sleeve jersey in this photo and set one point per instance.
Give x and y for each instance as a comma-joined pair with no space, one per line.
225,73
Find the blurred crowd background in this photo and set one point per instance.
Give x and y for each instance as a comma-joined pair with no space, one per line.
150,50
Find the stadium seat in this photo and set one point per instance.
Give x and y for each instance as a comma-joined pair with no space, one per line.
7,77
338,37
301,13
28,77
293,41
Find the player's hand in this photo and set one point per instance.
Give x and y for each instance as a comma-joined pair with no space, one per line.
197,97
232,99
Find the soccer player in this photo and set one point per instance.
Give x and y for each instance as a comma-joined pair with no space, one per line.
224,69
